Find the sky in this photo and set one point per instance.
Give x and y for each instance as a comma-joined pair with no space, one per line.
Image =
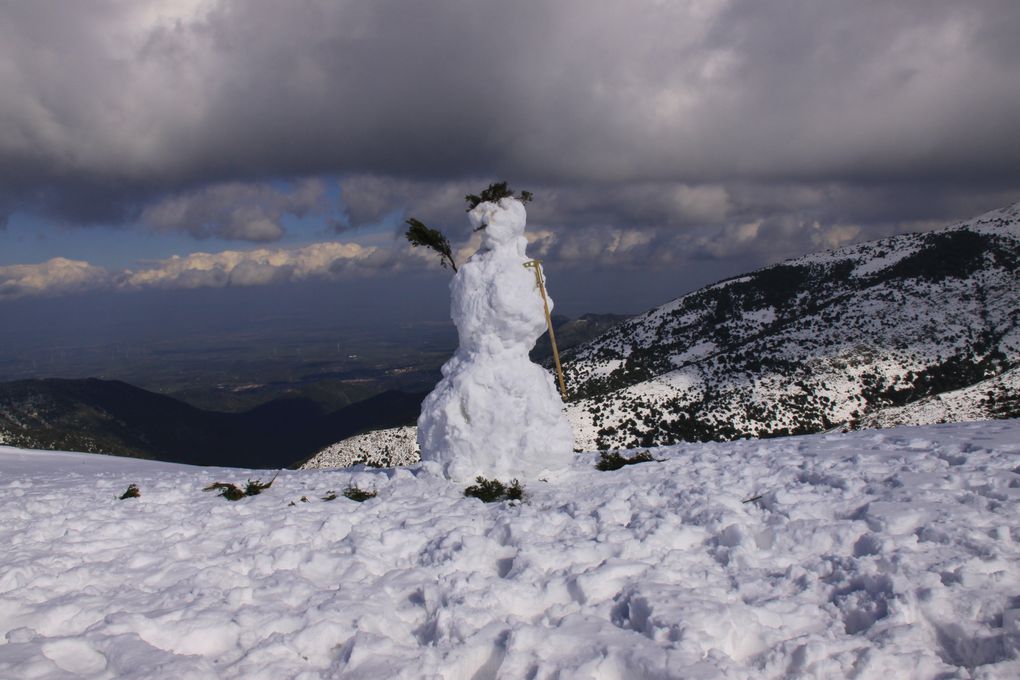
167,147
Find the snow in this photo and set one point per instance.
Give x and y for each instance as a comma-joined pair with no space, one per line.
696,351
968,403
495,413
874,554
877,264
729,282
395,446
760,317
606,368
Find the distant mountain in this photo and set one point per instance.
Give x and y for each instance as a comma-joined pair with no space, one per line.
913,328
109,416
104,416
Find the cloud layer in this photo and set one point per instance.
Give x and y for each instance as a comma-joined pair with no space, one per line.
258,267
582,246
55,276
109,105
655,135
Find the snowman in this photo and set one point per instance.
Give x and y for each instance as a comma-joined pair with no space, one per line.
495,413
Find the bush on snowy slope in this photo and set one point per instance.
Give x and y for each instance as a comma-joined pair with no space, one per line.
233,492
493,490
998,397
132,492
359,495
612,460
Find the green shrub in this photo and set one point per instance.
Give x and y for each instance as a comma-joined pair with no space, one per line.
492,490
612,460
515,492
232,492
257,487
360,495
132,492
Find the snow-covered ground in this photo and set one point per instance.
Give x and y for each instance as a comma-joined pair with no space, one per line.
877,554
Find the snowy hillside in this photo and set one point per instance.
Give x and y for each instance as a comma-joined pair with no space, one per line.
394,446
882,554
826,341
994,397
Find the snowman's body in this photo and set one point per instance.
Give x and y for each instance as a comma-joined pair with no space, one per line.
495,413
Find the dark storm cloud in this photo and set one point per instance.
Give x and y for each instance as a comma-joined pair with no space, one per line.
235,210
370,198
640,223
629,115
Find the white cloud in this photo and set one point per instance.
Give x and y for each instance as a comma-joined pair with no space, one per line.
256,267
58,275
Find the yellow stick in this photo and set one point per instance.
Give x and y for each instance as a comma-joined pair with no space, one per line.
536,265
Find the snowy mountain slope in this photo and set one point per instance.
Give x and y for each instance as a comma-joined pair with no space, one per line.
880,555
988,398
810,344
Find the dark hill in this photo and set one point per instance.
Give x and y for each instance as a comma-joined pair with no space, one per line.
107,416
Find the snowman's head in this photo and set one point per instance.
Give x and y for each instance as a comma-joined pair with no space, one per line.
500,223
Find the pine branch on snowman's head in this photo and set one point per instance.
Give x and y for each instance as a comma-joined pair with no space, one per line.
492,194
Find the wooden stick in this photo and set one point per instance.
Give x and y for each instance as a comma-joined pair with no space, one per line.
536,265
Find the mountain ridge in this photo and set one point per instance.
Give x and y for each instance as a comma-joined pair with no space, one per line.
114,417
810,344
